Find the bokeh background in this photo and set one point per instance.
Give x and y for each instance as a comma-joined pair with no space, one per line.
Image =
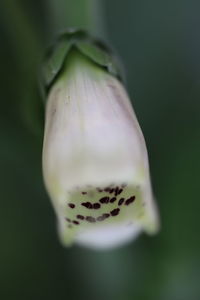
159,43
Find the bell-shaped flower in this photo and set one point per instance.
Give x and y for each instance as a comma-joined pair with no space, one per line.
95,161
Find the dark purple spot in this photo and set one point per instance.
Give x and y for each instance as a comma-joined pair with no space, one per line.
103,217
96,205
104,200
121,201
119,191
116,190
113,199
80,217
71,205
99,190
106,216
75,222
115,212
130,200
90,219
111,191
87,204
68,220
107,189
83,193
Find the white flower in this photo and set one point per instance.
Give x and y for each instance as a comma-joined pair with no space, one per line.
95,161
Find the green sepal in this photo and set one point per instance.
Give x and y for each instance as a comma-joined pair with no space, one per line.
99,56
55,61
89,46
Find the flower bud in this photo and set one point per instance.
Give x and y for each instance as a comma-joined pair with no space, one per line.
95,161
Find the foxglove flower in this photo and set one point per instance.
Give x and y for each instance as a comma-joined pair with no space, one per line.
95,161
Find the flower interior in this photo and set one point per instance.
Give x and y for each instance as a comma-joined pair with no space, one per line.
90,207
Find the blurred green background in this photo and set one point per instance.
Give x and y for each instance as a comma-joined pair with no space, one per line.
159,42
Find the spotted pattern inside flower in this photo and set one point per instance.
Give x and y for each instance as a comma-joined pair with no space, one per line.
93,206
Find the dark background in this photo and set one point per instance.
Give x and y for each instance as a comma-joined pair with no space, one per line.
159,43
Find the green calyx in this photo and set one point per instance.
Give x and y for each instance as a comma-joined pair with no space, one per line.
93,49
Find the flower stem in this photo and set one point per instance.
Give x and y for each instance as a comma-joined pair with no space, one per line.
83,14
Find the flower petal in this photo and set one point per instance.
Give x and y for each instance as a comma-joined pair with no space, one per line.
94,151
